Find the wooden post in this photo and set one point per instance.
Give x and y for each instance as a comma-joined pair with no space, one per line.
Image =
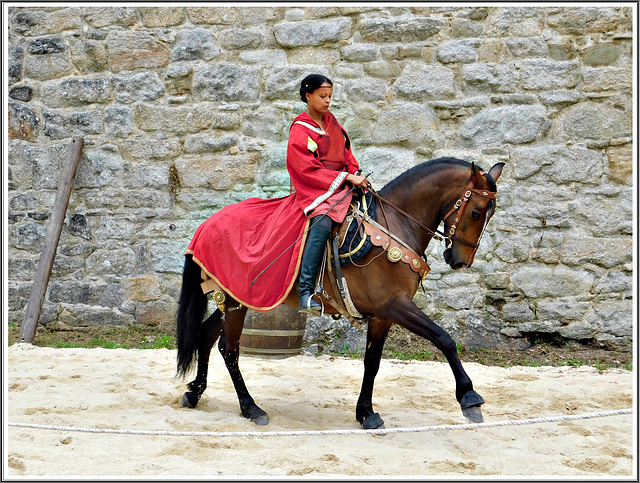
41,280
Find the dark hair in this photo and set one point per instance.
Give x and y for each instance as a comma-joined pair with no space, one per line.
311,83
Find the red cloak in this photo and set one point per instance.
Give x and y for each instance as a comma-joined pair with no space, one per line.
259,235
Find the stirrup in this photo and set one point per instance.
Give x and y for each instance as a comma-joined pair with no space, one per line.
316,311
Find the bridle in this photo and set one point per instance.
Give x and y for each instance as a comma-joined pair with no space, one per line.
459,206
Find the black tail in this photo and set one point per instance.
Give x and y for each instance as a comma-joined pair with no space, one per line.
192,308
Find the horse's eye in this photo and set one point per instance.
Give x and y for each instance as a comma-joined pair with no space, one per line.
475,215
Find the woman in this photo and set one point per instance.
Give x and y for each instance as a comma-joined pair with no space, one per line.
254,249
322,170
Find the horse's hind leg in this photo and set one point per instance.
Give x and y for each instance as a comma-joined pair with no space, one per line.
209,332
229,347
376,335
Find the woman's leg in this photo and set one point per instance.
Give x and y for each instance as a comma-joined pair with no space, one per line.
311,258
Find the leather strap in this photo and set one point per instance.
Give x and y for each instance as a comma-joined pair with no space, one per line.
382,238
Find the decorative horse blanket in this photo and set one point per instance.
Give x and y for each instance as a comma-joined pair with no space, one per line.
241,240
253,249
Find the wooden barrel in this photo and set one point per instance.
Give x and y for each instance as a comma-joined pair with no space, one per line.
275,334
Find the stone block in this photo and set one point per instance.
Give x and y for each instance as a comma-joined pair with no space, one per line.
202,143
168,256
80,316
23,122
383,30
196,44
118,121
405,123
558,281
425,82
615,282
521,47
620,164
78,225
562,50
180,119
115,227
89,56
366,90
509,124
386,163
59,125
583,20
604,252
216,15
162,16
318,32
157,314
29,236
142,289
74,292
602,54
77,92
591,120
545,74
46,45
146,175
236,38
145,147
15,62
562,164
218,172
143,86
226,82
44,22
462,27
459,51
514,22
130,50
497,78
101,167
360,53
99,17
120,261
603,79
47,67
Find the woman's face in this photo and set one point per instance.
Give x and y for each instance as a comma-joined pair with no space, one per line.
320,99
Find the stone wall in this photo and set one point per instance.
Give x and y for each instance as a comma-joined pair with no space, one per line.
186,109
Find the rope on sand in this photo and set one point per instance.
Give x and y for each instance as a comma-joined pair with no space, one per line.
331,432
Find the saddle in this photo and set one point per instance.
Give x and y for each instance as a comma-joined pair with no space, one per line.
350,242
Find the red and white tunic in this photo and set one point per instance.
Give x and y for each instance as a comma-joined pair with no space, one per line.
241,240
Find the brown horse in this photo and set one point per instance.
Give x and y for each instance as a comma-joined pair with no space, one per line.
446,189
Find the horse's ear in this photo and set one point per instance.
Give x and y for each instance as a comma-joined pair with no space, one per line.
496,171
476,174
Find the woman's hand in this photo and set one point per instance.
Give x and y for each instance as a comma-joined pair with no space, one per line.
358,180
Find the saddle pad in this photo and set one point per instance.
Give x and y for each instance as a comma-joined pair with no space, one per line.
354,246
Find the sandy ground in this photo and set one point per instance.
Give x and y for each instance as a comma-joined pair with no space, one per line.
136,390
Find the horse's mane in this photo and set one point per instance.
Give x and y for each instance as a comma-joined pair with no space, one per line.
424,169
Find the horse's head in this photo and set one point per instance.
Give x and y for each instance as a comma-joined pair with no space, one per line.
468,217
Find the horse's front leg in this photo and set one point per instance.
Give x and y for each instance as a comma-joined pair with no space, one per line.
377,332
229,347
405,313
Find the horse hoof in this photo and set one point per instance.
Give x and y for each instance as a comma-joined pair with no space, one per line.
189,400
262,420
473,414
373,421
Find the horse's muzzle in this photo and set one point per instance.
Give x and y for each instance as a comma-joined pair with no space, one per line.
456,265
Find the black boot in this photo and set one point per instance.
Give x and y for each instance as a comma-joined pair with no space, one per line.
311,259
